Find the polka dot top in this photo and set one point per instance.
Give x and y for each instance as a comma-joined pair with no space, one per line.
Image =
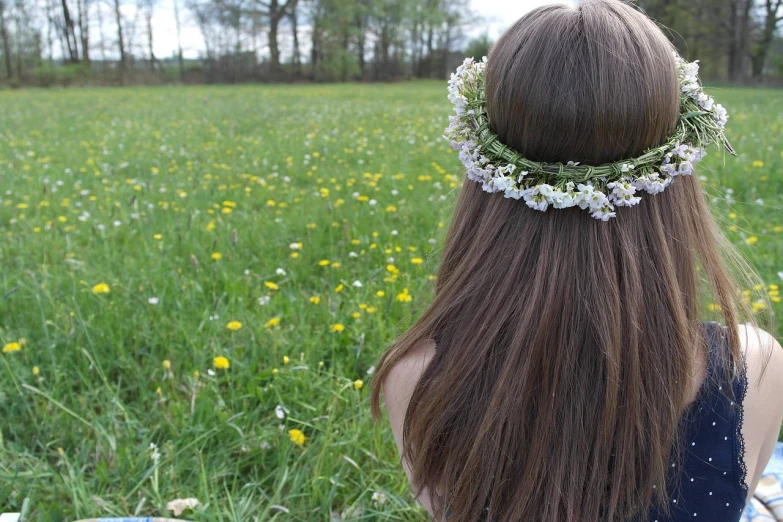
711,485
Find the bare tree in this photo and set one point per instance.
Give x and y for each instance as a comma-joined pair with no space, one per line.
120,39
83,10
771,19
180,59
149,8
69,33
9,70
296,58
275,12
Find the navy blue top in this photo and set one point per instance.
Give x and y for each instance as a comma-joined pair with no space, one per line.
712,480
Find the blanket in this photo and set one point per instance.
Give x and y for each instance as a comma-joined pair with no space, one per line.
767,502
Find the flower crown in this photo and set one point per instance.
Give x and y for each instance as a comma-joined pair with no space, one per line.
598,189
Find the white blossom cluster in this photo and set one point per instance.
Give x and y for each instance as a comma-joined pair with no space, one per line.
689,83
599,198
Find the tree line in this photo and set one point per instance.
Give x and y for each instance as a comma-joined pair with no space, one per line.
241,40
113,41
736,40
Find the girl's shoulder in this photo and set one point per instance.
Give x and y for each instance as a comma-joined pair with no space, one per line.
405,374
763,402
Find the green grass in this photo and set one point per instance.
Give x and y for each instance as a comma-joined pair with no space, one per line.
137,188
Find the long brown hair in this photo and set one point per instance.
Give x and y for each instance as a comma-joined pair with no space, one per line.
565,346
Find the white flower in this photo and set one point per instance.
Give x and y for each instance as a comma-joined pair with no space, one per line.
353,254
279,412
622,194
357,284
503,183
264,300
685,168
280,272
154,453
603,213
294,246
651,183
153,300
535,199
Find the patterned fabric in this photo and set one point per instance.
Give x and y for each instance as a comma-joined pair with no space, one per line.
767,502
711,482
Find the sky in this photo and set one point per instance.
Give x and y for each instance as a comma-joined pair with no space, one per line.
497,16
500,14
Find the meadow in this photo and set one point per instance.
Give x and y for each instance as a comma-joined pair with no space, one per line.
195,284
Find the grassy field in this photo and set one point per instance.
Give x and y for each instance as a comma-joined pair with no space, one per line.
195,284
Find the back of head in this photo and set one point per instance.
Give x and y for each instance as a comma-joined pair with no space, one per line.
592,84
565,344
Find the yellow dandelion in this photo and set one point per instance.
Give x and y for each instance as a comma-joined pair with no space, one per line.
167,365
286,359
297,436
337,328
752,240
404,296
315,299
358,384
273,322
339,288
158,236
36,371
417,260
758,164
12,347
380,293
270,285
221,363
324,262
234,325
100,288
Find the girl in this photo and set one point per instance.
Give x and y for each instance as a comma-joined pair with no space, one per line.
561,372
